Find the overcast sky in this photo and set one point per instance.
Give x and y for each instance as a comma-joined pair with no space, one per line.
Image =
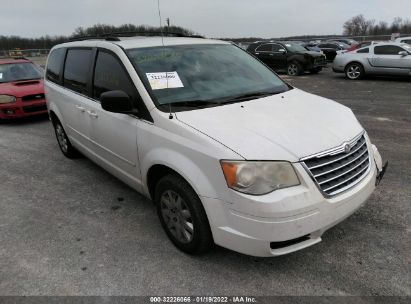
212,18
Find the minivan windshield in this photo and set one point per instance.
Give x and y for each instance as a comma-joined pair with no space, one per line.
19,71
203,74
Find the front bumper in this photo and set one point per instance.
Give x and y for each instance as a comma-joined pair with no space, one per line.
21,108
285,220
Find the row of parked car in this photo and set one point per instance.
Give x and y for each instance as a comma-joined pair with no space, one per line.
348,56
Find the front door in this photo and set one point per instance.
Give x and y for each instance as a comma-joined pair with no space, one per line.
114,135
279,56
265,54
387,60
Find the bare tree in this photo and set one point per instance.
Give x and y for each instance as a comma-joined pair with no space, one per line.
359,26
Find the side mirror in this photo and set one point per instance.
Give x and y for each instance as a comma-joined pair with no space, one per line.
403,53
282,51
117,102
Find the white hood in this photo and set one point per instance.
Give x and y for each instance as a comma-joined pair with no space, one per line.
286,126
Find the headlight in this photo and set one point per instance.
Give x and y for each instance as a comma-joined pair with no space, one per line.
7,99
259,177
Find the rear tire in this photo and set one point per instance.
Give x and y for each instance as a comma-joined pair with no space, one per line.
294,69
354,71
182,215
63,141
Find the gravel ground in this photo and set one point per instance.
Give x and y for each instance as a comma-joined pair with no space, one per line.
69,228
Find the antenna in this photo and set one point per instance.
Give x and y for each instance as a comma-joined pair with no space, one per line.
161,26
162,42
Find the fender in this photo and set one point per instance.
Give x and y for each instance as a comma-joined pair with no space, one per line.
180,163
299,58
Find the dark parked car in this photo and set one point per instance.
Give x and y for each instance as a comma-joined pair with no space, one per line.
288,56
330,48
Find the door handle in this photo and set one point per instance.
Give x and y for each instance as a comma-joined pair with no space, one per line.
80,108
271,54
92,114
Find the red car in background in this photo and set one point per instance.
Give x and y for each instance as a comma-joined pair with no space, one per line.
359,45
21,89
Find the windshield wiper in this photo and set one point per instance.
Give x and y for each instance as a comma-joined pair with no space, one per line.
250,96
192,103
221,101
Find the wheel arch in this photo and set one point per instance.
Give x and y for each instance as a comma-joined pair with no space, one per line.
164,161
296,58
55,114
53,117
154,174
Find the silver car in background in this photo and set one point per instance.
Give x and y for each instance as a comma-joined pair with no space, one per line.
388,58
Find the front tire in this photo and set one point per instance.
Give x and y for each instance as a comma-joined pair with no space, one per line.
182,215
64,143
354,71
294,69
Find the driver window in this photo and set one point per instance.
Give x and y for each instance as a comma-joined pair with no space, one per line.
110,75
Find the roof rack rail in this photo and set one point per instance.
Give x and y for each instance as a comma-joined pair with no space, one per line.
80,38
115,36
148,33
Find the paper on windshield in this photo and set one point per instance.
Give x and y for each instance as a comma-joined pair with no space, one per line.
164,80
1,75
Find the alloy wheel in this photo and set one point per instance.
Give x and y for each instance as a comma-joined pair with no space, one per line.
354,71
292,69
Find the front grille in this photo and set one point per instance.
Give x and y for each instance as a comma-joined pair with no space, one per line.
33,97
32,109
338,170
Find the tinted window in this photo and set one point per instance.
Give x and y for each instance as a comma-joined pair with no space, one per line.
277,47
387,50
110,75
366,50
264,48
54,65
76,70
406,41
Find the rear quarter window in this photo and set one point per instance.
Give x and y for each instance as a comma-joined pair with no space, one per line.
54,64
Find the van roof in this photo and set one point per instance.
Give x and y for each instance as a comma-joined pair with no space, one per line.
141,42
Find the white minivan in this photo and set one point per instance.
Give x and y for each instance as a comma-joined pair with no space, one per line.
230,153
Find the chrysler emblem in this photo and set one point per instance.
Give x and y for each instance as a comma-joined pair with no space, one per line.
347,148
